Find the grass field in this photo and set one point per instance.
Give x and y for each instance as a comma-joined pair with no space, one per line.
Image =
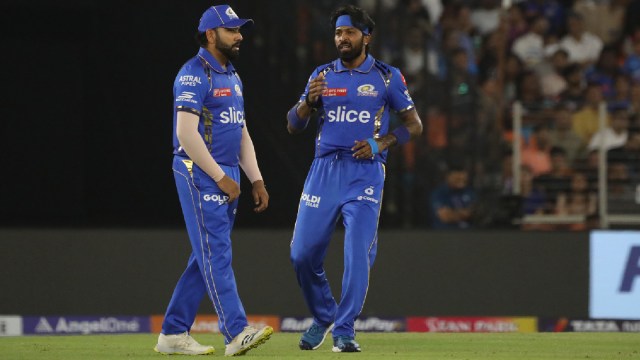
374,346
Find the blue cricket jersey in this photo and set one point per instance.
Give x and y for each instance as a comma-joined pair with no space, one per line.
204,88
356,103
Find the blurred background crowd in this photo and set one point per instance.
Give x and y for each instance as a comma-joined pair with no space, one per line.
466,63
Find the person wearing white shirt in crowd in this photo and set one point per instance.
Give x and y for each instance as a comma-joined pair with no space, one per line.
530,46
582,46
614,135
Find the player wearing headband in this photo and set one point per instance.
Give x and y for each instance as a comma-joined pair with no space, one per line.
211,141
351,97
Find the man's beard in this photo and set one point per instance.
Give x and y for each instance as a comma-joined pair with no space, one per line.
352,53
228,50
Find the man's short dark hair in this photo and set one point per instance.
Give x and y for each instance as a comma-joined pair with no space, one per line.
201,39
359,17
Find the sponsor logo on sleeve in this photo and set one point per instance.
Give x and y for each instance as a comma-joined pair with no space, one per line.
407,95
367,90
221,92
189,80
187,96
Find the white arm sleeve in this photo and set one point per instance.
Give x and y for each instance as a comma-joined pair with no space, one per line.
194,146
248,160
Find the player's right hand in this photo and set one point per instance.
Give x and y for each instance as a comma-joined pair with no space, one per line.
316,87
229,187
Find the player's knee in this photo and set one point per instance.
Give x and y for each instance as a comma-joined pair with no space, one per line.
301,258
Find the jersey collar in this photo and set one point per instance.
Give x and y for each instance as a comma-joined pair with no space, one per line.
213,63
364,68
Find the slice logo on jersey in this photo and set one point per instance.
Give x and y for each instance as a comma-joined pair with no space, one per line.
232,116
342,114
367,197
189,80
186,96
367,90
221,92
310,200
231,14
238,91
220,199
334,92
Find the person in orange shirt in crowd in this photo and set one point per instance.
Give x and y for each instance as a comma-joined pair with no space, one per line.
536,154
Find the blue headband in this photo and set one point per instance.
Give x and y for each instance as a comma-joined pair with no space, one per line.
345,20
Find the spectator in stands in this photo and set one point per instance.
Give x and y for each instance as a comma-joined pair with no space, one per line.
550,9
557,179
551,74
536,154
614,135
486,17
585,121
621,90
463,92
621,194
632,63
534,200
530,46
605,71
628,154
578,200
517,24
574,94
582,46
604,19
562,134
452,203
512,72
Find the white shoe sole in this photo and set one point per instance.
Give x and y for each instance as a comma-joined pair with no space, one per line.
259,341
181,352
324,337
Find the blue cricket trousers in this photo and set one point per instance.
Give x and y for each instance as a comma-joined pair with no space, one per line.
337,185
209,220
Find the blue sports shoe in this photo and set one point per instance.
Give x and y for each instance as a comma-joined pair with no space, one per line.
314,337
345,344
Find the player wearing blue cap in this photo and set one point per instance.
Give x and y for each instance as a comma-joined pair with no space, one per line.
210,140
352,97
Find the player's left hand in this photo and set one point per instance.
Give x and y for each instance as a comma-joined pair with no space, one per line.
362,150
260,196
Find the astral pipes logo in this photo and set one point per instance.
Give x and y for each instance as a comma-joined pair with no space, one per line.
221,199
368,191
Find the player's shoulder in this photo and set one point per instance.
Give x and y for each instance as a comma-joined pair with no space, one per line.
193,66
387,70
324,68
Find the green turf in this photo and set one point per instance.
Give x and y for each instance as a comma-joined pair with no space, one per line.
375,346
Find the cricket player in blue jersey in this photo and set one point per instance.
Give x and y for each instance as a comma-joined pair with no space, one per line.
210,141
352,97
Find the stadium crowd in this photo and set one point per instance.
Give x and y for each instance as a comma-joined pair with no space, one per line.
466,63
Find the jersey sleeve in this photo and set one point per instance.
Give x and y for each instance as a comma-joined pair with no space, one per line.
399,97
190,89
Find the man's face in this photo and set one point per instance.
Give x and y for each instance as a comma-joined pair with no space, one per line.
228,42
349,42
457,179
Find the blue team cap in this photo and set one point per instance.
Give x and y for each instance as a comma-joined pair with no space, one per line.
221,16
345,20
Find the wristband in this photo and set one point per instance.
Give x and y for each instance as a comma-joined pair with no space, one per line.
294,120
309,103
374,145
402,134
